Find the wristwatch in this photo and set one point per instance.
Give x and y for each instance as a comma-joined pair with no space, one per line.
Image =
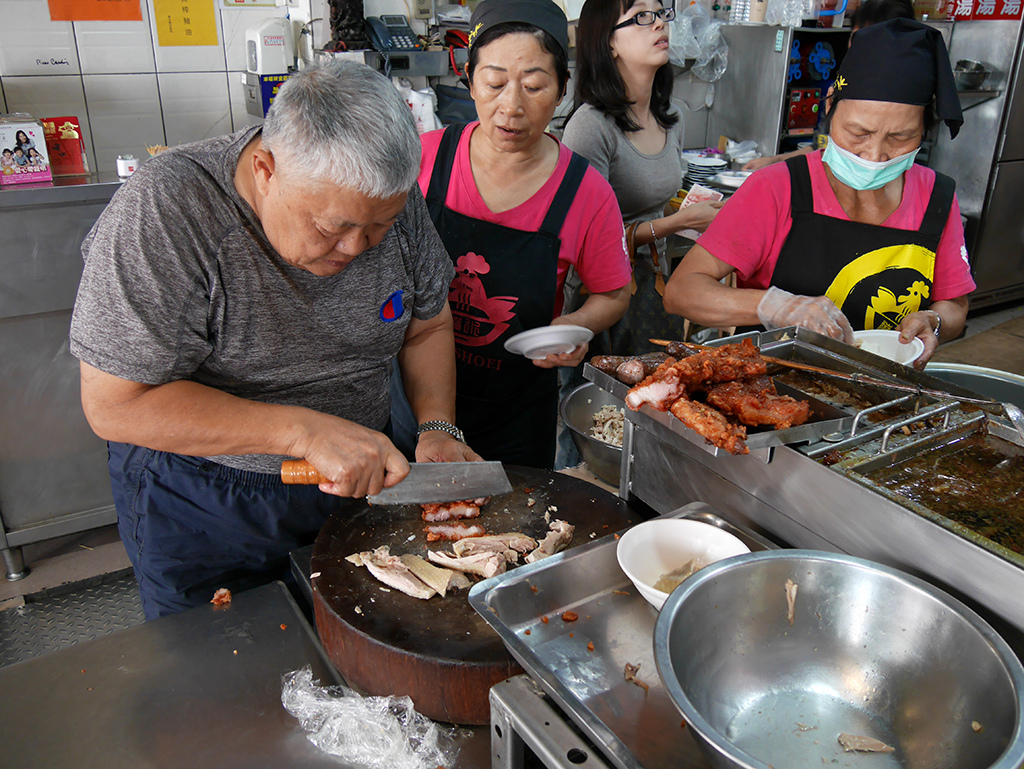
443,426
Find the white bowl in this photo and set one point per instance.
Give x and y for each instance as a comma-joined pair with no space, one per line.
653,548
538,343
888,345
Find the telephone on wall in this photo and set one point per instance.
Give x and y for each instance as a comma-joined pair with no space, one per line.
391,33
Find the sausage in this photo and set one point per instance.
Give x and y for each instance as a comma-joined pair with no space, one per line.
607,363
631,371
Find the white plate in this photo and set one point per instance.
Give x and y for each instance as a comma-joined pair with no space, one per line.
888,345
539,343
731,178
706,162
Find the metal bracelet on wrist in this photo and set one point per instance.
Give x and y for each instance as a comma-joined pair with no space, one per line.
446,427
938,322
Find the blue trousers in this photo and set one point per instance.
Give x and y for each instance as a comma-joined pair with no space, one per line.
191,526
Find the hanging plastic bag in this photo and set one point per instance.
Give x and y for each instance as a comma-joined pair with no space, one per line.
423,104
714,53
684,33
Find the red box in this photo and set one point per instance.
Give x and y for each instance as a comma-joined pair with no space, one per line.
23,155
803,109
64,141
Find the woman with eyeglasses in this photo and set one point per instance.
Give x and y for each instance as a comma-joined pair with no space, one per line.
624,122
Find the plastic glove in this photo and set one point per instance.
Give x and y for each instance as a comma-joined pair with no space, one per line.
780,308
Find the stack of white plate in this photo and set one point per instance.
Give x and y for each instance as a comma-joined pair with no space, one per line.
700,170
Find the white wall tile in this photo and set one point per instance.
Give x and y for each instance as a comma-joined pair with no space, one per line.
51,96
190,58
195,105
240,118
31,44
124,114
106,47
235,21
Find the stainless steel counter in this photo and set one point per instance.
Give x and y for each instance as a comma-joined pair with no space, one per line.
197,689
53,476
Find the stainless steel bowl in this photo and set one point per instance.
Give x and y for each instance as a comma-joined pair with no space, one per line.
577,410
990,382
969,74
872,652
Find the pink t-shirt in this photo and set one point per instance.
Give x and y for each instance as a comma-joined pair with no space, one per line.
592,236
748,233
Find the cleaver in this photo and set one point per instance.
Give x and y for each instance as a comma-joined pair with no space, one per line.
426,482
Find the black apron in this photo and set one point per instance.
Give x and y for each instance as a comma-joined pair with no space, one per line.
876,275
504,283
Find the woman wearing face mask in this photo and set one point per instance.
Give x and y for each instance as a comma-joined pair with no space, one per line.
854,237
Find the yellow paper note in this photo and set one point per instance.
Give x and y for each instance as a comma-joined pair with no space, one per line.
185,22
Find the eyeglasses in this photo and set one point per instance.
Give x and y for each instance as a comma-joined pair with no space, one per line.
646,18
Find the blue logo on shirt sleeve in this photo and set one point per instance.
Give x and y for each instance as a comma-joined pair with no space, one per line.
392,308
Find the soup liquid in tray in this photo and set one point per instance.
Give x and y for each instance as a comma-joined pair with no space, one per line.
977,481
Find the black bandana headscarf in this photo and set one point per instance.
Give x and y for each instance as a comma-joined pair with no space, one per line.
901,61
542,14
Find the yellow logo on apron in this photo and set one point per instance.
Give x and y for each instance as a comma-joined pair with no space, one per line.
890,304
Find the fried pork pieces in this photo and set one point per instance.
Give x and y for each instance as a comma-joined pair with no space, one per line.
733,378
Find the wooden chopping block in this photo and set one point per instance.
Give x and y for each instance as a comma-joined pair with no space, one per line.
439,652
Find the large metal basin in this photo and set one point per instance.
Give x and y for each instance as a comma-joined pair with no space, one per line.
990,382
871,652
577,410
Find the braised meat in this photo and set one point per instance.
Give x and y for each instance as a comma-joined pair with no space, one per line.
755,402
450,511
712,424
452,531
659,389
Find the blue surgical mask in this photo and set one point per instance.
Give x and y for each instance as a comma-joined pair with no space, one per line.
861,174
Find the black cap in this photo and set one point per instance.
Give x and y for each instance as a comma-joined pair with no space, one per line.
542,14
901,61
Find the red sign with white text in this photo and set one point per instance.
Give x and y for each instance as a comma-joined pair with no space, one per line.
961,10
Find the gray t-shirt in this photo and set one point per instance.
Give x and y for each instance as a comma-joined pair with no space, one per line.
643,183
181,283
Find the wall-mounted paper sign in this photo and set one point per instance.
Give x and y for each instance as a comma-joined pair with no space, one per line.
95,10
185,22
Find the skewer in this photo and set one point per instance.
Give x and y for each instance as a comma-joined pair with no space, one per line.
858,378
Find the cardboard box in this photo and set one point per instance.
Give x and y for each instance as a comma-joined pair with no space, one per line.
64,142
23,155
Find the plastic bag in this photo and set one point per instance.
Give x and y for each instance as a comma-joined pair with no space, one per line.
372,732
714,53
423,104
684,34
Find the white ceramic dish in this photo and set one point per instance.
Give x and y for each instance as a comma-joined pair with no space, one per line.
731,178
653,548
888,345
538,343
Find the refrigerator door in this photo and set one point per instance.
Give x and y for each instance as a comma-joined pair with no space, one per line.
1013,136
999,263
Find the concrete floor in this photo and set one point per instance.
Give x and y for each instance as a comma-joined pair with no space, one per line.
993,338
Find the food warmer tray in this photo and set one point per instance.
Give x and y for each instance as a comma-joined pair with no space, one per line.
632,728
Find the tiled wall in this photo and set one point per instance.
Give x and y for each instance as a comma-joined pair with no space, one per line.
127,91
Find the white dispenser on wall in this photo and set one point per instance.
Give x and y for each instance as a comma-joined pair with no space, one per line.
269,59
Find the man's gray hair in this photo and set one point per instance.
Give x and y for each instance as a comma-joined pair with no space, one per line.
345,124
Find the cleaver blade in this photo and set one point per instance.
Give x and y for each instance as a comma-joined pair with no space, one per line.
430,482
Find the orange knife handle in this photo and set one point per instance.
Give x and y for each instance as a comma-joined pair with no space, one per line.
300,471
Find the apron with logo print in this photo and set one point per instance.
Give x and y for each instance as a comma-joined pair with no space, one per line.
504,283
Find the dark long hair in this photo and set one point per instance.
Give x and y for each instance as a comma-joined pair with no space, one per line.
598,82
547,44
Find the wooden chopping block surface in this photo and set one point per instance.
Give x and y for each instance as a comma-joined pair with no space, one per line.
440,651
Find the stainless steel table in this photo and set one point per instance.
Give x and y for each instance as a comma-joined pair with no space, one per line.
197,689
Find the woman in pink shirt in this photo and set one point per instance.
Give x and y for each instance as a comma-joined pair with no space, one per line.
516,211
857,236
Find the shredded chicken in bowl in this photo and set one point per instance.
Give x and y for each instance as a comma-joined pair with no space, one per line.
608,425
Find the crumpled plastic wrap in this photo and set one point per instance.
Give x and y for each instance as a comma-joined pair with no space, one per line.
695,36
372,732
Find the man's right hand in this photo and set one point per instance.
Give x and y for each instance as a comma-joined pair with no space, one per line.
359,461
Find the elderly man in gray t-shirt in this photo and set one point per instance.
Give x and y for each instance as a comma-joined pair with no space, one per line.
241,302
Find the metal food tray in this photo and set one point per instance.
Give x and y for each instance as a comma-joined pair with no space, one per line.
826,419
632,728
